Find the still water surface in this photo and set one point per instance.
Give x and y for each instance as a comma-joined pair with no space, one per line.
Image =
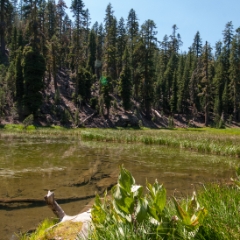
29,167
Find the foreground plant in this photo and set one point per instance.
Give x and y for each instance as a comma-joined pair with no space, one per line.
129,214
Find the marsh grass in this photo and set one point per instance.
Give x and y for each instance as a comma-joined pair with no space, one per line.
223,219
205,140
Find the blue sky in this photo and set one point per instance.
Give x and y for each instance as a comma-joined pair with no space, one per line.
209,17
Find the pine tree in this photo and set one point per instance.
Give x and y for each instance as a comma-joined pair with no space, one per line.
133,36
168,80
125,81
206,68
5,14
33,66
19,81
197,45
99,50
110,47
92,49
148,46
184,90
234,72
121,44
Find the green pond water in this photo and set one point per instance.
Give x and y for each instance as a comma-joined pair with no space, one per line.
30,167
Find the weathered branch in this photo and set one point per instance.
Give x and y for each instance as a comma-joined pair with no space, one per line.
58,211
84,218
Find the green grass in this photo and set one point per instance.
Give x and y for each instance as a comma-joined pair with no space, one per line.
207,140
223,219
221,223
40,232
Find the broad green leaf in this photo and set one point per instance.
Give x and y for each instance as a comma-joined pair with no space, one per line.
161,198
201,214
121,213
126,180
122,201
141,209
97,211
153,212
157,196
183,215
151,190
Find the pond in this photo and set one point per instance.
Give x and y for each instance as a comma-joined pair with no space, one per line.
31,166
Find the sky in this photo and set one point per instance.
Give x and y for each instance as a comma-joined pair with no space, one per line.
209,17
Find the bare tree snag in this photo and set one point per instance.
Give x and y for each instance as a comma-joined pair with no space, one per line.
49,198
84,218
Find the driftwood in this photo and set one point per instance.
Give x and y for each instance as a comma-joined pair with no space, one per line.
84,218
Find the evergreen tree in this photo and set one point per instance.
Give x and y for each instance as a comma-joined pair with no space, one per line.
60,10
125,81
33,66
168,80
175,41
133,35
148,46
121,44
110,46
5,14
206,68
234,72
99,50
92,48
197,45
19,81
183,90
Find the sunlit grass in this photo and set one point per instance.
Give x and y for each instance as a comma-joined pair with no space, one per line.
206,140
222,221
47,230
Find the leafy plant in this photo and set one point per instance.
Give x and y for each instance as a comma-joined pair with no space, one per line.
147,214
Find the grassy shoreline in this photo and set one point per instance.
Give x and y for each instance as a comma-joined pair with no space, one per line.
221,222
224,142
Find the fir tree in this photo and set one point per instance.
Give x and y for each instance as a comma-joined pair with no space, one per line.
125,82
33,66
234,72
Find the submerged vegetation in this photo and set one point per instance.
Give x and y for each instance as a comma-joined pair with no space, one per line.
206,140
212,213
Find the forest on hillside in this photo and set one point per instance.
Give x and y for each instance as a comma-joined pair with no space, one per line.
38,39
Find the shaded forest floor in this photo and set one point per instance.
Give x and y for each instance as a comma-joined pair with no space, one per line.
59,108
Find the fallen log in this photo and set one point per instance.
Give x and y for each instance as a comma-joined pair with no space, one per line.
92,115
84,218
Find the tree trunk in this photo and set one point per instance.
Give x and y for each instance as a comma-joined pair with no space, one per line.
84,218
2,29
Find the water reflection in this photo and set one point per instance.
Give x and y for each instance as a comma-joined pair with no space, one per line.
29,167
